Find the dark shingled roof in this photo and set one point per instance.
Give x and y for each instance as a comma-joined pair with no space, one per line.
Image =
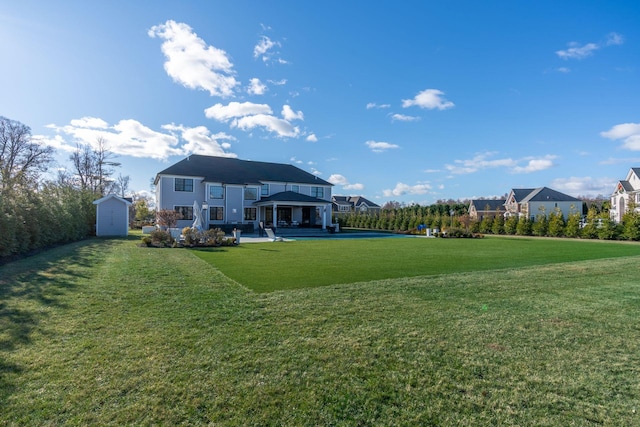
488,204
235,171
545,194
290,196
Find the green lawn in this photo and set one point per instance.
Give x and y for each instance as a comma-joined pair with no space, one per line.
104,332
265,267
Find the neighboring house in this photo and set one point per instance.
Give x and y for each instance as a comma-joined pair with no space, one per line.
531,202
112,216
347,204
242,193
480,209
626,191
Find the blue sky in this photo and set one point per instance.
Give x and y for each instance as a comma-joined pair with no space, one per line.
409,101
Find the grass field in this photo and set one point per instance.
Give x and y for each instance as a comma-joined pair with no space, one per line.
265,267
104,332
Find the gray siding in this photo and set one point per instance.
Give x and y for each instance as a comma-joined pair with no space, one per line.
112,218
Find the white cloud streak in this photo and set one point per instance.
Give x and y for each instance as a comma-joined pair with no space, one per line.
483,161
132,138
401,189
578,51
380,147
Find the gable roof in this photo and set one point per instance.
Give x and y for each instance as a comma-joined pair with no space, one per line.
545,194
235,171
520,193
359,201
488,204
112,196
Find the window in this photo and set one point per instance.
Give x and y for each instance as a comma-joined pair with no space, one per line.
264,190
186,211
183,184
216,213
317,192
216,192
250,193
295,188
249,214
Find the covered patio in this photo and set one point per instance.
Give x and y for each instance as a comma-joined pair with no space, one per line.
290,209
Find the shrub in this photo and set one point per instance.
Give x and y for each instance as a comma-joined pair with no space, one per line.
161,238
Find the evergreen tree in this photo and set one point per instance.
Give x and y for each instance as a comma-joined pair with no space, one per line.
511,225
556,224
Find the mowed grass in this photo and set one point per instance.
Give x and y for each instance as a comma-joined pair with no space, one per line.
104,332
265,267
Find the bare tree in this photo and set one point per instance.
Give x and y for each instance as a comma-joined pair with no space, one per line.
21,159
94,167
122,184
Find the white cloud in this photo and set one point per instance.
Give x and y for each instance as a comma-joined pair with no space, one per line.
132,138
584,186
564,70
270,123
337,179
403,118
265,44
356,187
401,189
577,51
247,116
200,141
278,82
266,50
312,138
483,161
429,99
192,63
629,133
57,142
288,114
535,165
379,147
89,122
256,87
614,39
224,113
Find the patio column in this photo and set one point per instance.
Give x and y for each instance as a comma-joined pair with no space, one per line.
324,217
275,215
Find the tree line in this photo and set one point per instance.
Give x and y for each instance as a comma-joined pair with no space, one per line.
38,209
454,217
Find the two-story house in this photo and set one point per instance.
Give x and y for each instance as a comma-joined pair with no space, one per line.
347,204
242,193
626,192
480,209
531,202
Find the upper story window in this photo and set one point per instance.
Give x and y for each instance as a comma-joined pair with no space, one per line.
264,190
317,192
216,192
183,184
250,193
295,188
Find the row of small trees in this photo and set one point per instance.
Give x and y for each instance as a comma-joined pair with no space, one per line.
595,225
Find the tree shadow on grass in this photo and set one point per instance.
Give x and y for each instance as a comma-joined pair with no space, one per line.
31,285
